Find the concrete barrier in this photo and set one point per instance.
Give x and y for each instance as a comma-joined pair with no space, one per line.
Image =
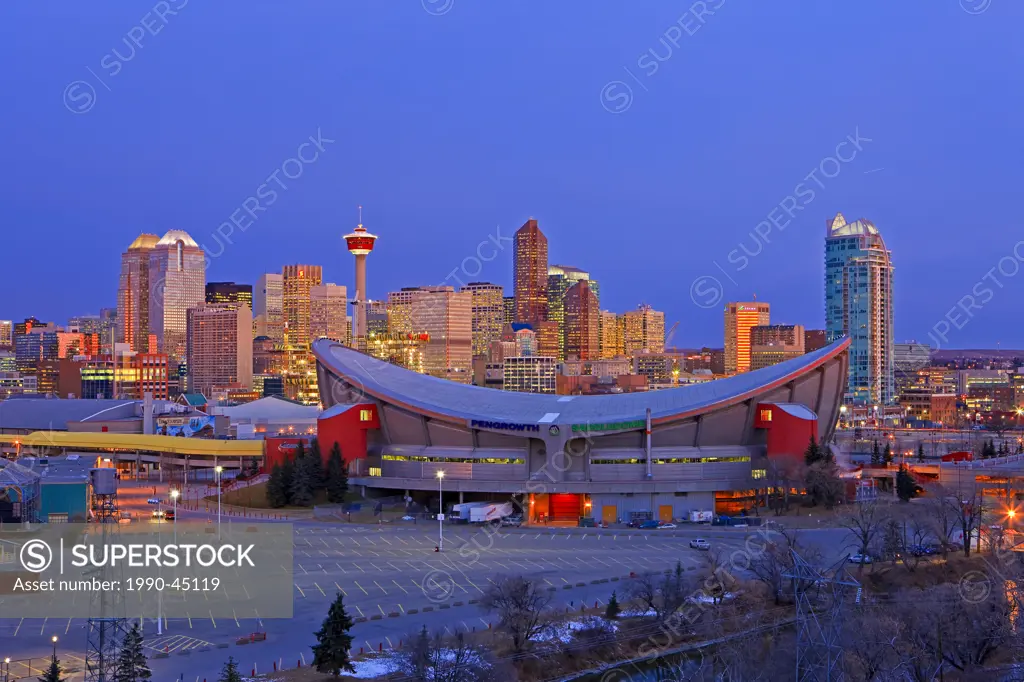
376,616
445,606
428,609
394,614
458,603
360,619
412,612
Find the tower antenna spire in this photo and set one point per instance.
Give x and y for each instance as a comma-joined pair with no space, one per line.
360,214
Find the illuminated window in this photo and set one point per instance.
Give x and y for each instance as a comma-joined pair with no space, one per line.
759,473
766,415
375,471
365,415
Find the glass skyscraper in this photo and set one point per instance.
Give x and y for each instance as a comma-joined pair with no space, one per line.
858,304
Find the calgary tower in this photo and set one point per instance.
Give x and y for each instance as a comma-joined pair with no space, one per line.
360,244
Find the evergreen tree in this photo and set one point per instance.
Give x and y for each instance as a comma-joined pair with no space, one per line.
887,455
132,665
906,489
330,653
876,455
337,476
302,482
316,466
277,493
420,657
254,466
920,452
52,673
812,455
287,476
611,612
229,673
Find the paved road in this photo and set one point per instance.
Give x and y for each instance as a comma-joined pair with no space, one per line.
393,574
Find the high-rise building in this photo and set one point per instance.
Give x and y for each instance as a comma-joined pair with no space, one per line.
297,284
814,339
376,318
229,292
775,343
404,350
859,304
133,291
446,317
488,314
6,334
644,330
328,312
611,339
399,307
530,273
525,344
548,341
268,307
530,374
739,319
509,305
560,279
582,320
177,282
360,243
219,343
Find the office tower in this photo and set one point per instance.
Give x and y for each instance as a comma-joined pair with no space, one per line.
488,314
360,243
548,341
509,304
38,344
6,334
775,343
297,283
70,344
328,312
814,339
655,367
582,320
177,282
133,291
560,279
858,304
219,343
611,338
530,374
739,318
376,318
643,330
268,310
404,350
446,317
530,273
229,292
525,343
399,307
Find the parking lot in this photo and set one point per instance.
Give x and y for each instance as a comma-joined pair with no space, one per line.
393,578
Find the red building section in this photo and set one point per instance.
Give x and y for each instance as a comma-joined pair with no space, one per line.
958,457
346,425
790,427
281,449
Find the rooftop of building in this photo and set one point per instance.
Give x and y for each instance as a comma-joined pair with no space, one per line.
144,241
172,237
54,414
431,395
838,227
272,409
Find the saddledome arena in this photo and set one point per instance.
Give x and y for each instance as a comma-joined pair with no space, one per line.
658,454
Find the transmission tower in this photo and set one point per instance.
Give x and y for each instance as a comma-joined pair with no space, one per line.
106,629
820,600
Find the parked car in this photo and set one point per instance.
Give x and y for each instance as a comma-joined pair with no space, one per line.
699,543
408,518
158,513
169,515
515,520
860,559
667,526
648,525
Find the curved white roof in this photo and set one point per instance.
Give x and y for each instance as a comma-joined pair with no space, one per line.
392,384
174,236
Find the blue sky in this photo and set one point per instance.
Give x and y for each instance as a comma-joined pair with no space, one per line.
452,118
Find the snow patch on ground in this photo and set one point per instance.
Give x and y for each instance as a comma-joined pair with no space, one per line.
564,632
375,666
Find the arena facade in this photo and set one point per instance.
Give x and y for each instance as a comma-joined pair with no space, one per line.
658,454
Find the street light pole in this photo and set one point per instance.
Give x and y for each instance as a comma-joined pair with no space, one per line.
218,470
440,510
54,648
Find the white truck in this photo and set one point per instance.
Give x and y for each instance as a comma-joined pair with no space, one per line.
463,510
701,516
490,512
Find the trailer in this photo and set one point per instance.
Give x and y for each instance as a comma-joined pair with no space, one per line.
490,512
462,511
701,516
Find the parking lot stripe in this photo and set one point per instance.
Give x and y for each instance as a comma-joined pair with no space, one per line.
340,589
361,588
212,620
400,587
361,614
381,588
382,612
68,628
44,626
321,589
300,590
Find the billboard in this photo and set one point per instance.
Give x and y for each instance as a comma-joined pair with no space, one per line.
186,426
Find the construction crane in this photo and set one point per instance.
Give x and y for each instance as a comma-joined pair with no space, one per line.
671,333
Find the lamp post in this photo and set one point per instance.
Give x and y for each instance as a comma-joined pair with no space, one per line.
440,511
54,640
7,669
218,470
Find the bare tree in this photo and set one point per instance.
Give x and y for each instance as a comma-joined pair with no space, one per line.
663,594
864,523
870,637
780,476
968,508
941,514
773,559
437,659
918,531
521,605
